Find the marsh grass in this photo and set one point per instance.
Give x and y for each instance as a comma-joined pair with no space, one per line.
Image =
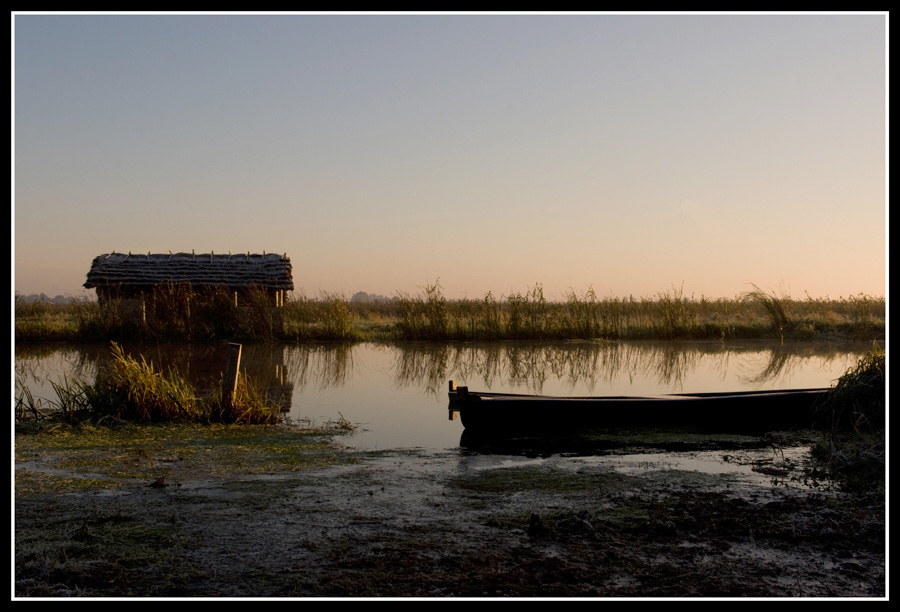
48,322
671,315
328,317
775,305
528,315
858,401
168,312
430,316
136,391
424,316
853,449
582,317
675,314
70,403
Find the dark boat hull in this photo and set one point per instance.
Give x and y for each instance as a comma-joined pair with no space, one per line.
738,411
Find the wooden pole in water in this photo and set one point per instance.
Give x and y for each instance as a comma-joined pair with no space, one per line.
230,377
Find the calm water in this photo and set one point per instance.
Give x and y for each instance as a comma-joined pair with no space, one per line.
398,393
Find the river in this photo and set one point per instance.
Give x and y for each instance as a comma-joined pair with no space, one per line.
396,393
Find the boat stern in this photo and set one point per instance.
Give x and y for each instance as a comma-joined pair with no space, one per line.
457,395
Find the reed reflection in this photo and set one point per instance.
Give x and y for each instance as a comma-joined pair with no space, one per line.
424,366
576,364
35,365
782,361
201,365
586,365
672,364
282,370
320,366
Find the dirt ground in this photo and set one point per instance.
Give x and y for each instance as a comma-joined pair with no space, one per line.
723,519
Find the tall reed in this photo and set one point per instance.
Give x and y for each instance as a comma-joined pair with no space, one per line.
174,314
423,317
526,316
489,310
853,451
70,405
676,317
581,317
136,391
328,317
774,305
858,400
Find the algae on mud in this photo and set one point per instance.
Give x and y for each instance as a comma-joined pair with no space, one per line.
230,521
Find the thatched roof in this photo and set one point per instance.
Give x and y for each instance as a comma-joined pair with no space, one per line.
269,270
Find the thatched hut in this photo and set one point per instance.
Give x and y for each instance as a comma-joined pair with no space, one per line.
130,280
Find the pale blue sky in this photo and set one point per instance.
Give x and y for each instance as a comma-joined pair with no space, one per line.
630,153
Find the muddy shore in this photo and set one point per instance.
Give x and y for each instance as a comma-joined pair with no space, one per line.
730,518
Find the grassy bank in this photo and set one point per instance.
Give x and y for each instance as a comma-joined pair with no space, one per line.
853,449
429,315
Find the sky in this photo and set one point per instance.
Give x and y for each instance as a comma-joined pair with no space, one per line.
630,154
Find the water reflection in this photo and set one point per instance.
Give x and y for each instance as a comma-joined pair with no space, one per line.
576,364
320,366
399,391
427,367
585,366
784,360
35,365
422,365
200,364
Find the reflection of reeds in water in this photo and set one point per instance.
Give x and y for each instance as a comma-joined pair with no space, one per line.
782,361
424,366
322,366
531,366
36,364
200,364
587,364
515,364
673,364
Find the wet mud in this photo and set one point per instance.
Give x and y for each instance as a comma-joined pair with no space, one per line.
712,519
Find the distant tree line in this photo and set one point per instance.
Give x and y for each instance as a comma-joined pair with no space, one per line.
362,296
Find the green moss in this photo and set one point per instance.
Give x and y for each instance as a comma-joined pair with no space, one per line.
72,459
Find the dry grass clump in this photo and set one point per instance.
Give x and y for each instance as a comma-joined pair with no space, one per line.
858,400
775,305
136,391
853,451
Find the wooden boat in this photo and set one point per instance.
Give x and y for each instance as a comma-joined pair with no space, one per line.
735,411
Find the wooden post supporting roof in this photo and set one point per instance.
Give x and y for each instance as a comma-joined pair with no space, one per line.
230,375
